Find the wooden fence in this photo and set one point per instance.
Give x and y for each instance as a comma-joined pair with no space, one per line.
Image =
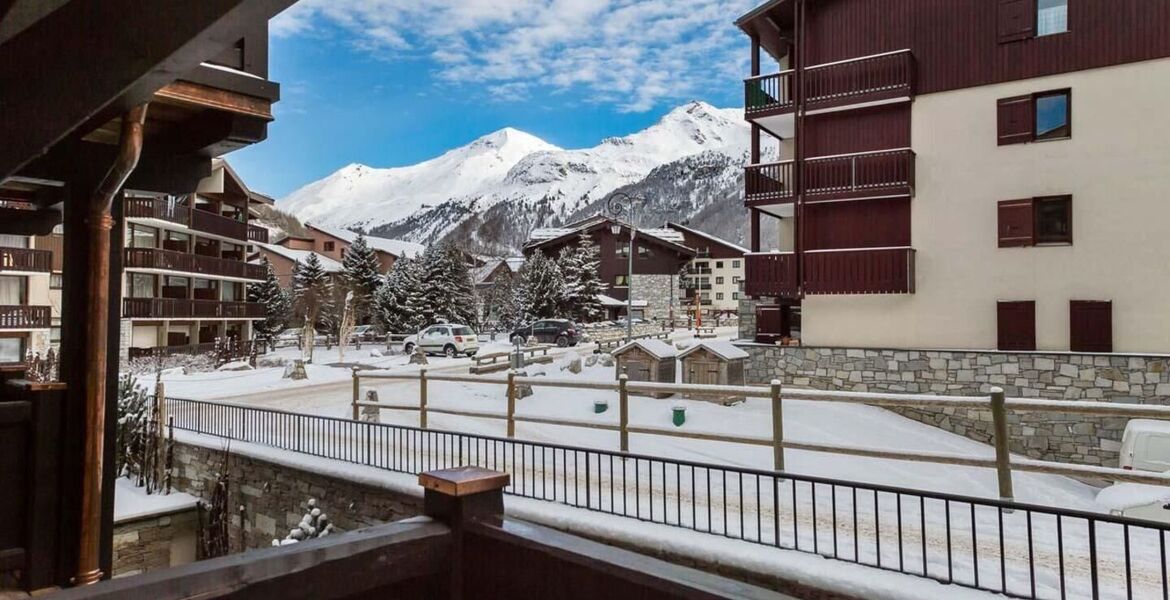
1003,463
493,362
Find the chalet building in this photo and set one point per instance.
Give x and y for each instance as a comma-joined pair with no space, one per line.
185,270
334,242
714,275
284,260
962,174
660,254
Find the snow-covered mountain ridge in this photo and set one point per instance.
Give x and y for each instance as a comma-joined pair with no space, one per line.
490,193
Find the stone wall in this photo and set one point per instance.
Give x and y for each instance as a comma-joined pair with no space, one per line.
1059,376
658,291
155,542
747,319
274,497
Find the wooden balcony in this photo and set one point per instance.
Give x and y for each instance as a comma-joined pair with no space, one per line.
859,175
769,182
855,81
257,234
182,214
772,274
25,259
22,316
180,308
858,271
170,260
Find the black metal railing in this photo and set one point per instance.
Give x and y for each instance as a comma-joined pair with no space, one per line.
1020,550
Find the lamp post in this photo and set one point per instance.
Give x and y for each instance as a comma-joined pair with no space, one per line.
618,204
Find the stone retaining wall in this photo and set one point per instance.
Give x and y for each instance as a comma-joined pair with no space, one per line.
155,542
1059,376
274,497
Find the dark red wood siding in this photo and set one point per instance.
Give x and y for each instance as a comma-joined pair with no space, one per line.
1016,325
857,224
663,259
1090,326
956,43
852,131
1015,223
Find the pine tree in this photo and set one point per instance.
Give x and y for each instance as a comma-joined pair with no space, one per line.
312,292
360,273
398,298
541,289
580,266
447,290
276,302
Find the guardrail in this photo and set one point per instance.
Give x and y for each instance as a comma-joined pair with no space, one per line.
1020,550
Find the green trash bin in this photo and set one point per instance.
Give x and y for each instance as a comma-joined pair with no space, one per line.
600,406
678,415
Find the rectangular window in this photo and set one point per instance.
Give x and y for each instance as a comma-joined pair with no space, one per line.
735,264
718,264
329,246
718,295
143,237
11,349
1016,325
232,291
13,241
644,252
1034,117
1032,221
735,295
622,250
12,290
718,280
1051,17
179,242
620,281
735,279
1090,326
56,281
141,285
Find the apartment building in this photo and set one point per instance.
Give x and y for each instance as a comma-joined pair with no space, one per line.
962,174
713,275
25,303
185,272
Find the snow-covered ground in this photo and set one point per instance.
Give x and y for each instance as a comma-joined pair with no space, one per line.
132,502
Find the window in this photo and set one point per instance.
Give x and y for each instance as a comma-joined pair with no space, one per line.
12,290
621,281
718,281
13,241
1016,325
231,291
718,295
141,285
329,246
1032,221
1090,326
56,281
735,295
644,252
1034,117
1051,17
735,264
143,237
718,264
735,279
179,242
622,250
11,349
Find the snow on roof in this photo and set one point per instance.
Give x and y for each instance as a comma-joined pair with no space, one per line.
398,248
656,348
544,234
548,233
515,262
716,239
610,301
721,348
665,233
328,264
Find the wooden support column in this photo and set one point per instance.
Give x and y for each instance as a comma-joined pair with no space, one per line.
458,496
755,229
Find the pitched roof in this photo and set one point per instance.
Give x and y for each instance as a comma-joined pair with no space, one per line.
717,240
656,348
328,264
666,236
398,248
721,348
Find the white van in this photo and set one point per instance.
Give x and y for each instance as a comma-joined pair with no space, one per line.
1145,446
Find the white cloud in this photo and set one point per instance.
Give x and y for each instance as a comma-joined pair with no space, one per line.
633,53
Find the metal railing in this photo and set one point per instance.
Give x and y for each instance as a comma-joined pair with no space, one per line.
1020,550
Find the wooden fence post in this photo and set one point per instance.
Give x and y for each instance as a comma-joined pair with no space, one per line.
624,411
512,403
1003,464
777,427
354,403
422,397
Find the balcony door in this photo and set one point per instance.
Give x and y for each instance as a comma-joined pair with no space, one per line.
13,290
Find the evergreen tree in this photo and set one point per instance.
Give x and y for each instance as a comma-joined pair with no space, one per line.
580,266
448,293
312,292
541,289
276,302
360,273
497,301
398,301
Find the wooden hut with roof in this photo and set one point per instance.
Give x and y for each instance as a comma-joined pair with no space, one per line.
646,360
714,362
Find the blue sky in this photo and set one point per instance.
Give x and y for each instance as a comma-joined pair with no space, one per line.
393,82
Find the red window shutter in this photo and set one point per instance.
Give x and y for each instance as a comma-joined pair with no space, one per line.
1015,120
1090,326
1016,20
1016,325
1015,223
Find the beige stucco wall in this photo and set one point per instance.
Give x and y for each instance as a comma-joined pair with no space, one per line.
1117,168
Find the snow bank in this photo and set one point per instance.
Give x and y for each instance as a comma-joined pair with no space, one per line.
1123,496
132,503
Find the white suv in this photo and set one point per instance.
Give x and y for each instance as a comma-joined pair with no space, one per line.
447,338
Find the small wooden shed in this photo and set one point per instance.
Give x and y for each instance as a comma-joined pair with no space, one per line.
646,360
714,362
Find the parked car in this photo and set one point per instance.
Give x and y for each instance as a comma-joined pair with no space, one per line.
561,332
367,333
1145,446
450,339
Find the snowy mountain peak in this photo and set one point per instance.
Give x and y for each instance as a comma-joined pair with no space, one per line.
511,137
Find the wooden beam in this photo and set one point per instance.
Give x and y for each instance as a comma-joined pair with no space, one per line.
132,49
186,93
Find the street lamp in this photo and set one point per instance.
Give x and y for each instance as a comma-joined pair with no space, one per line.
618,204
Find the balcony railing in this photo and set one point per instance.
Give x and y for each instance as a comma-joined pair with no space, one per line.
170,210
770,181
858,175
180,308
22,316
25,259
859,271
257,234
169,260
854,81
771,274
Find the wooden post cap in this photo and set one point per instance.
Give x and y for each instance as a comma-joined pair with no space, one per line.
463,481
